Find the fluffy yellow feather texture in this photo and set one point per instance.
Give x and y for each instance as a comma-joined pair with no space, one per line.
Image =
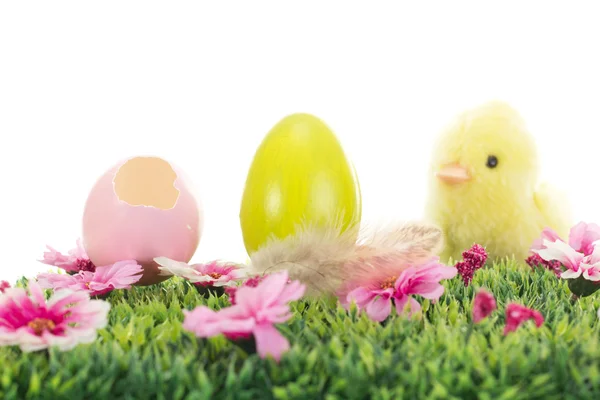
489,193
324,259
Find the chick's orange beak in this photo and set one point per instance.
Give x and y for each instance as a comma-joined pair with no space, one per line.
453,174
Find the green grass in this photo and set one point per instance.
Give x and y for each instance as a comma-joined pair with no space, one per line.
145,354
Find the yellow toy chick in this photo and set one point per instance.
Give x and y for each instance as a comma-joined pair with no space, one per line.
484,186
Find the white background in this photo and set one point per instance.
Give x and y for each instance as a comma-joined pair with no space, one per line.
84,85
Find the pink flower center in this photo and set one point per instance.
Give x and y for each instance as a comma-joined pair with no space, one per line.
389,282
215,275
39,325
85,265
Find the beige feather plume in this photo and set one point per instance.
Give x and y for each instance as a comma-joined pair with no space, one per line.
324,259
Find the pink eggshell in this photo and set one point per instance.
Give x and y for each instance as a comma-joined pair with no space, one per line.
115,229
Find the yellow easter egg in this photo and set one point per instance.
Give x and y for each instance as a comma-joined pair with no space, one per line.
299,175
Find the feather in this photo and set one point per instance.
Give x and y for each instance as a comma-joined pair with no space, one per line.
413,239
313,256
327,259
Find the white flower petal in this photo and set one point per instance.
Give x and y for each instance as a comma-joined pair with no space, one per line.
218,283
198,278
178,268
594,258
562,252
570,274
164,272
591,272
169,263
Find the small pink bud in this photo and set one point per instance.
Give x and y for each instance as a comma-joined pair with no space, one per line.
517,314
483,305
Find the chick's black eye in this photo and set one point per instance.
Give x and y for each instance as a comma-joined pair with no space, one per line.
492,162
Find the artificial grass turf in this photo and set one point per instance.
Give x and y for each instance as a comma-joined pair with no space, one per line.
144,353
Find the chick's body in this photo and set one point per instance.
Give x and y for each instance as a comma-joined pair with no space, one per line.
484,186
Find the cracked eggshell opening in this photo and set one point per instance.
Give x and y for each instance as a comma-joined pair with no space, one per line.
142,208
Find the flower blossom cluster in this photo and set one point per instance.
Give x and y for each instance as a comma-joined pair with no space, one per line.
67,319
473,259
83,275
580,256
254,315
397,284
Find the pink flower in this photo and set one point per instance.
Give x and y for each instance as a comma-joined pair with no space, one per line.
517,314
473,259
250,282
65,320
120,275
376,296
547,234
483,305
255,313
581,238
3,286
577,263
476,255
77,259
563,253
590,266
231,322
579,256
210,274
